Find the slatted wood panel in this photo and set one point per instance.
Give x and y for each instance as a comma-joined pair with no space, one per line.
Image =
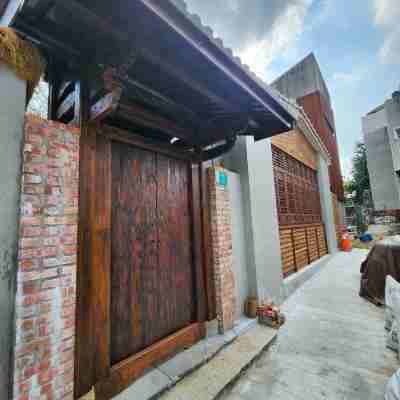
302,233
301,245
322,244
297,192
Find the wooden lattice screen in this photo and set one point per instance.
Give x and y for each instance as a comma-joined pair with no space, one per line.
297,192
302,233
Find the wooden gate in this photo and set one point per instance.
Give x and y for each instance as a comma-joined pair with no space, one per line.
140,283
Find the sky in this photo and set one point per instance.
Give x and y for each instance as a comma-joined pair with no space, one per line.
356,43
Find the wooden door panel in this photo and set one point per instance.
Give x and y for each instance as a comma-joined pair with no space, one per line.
140,281
152,292
134,248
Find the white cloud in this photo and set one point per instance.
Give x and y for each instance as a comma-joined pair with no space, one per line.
233,5
259,31
347,167
285,31
387,12
387,17
348,79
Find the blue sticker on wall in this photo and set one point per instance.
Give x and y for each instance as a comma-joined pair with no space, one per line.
222,179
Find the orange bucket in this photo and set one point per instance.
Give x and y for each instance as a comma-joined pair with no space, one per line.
346,243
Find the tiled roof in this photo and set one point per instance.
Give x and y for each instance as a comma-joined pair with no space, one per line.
290,105
196,20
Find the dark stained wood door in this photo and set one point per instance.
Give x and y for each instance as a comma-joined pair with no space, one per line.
152,275
141,292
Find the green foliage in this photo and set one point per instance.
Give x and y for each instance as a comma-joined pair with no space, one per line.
360,180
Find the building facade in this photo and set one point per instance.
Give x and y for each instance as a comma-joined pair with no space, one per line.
275,232
381,130
304,83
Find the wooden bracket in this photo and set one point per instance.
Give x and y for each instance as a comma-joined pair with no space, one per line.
106,105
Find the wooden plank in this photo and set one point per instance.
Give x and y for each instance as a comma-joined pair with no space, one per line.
178,293
85,341
143,117
134,249
294,252
101,257
140,141
126,372
197,238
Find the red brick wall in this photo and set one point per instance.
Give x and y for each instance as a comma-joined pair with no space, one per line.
221,236
45,302
321,115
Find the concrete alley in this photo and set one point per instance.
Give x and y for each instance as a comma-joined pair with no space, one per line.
332,346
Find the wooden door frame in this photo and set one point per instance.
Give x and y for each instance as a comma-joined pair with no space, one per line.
93,327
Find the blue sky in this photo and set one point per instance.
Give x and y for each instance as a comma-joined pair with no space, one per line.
356,42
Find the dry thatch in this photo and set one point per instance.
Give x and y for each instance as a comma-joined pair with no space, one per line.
22,57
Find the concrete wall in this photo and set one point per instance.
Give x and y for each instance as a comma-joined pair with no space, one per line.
383,154
384,185
327,205
302,79
12,109
393,116
253,161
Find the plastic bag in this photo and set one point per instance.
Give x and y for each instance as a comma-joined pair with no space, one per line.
392,313
392,338
392,291
393,387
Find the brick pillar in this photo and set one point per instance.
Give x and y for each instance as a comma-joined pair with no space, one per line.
221,235
46,280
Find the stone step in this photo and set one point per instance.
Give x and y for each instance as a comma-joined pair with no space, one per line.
210,380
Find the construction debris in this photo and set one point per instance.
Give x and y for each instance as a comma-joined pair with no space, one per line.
270,315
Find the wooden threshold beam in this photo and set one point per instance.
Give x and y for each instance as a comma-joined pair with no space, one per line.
124,373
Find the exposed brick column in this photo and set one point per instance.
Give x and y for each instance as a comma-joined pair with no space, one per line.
220,212
46,283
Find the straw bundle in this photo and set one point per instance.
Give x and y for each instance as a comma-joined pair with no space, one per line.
23,58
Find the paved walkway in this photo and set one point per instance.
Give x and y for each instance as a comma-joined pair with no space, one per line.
332,347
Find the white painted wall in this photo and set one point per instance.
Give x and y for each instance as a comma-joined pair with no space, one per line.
12,110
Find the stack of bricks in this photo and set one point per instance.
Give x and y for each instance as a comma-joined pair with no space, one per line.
221,234
46,283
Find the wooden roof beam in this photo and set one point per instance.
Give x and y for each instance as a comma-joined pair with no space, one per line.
140,116
181,75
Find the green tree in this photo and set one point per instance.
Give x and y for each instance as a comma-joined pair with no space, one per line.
360,180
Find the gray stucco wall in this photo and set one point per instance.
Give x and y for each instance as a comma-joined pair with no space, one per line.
12,108
393,115
384,183
327,205
239,242
253,161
